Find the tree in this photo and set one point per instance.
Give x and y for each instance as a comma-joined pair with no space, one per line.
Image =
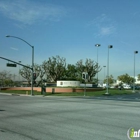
5,78
90,67
110,80
138,77
40,74
54,68
125,78
26,73
8,82
71,72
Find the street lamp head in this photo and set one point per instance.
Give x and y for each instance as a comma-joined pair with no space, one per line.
97,45
135,51
110,46
7,36
104,66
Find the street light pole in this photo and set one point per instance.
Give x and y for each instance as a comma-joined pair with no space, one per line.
104,71
109,47
97,45
18,72
32,58
135,52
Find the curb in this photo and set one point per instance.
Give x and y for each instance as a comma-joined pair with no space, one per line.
25,95
5,94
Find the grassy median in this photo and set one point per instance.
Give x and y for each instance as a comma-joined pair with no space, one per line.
94,93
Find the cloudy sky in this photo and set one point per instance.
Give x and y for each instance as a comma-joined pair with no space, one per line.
70,29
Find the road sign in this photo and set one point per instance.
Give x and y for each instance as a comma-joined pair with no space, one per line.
11,65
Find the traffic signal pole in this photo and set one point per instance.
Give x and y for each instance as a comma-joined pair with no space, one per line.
15,63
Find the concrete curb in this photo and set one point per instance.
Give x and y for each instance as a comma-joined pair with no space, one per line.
5,93
25,95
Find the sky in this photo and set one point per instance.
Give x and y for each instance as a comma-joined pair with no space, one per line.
70,29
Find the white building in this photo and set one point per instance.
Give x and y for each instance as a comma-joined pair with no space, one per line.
136,78
137,81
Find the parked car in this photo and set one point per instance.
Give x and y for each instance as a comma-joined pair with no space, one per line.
136,87
112,87
127,87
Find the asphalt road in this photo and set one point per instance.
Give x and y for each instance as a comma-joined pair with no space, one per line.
68,118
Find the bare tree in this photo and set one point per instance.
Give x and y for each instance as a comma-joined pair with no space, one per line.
27,73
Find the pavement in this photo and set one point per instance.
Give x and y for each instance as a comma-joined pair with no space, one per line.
68,118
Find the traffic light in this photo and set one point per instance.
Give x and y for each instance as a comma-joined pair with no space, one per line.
83,76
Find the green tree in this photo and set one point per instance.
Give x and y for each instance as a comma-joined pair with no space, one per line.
125,78
138,77
111,80
54,68
8,82
71,72
89,66
5,76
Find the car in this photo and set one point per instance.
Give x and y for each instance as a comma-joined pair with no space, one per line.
136,87
112,87
127,87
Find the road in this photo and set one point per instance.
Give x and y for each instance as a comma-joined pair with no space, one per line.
68,118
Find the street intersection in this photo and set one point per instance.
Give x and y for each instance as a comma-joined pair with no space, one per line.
68,118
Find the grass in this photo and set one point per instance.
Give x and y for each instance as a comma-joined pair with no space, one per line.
95,93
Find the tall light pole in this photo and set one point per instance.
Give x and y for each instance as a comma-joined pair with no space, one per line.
32,58
109,47
104,71
19,70
135,52
97,45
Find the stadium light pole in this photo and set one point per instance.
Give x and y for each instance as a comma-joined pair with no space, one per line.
104,71
97,45
135,52
32,57
109,47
